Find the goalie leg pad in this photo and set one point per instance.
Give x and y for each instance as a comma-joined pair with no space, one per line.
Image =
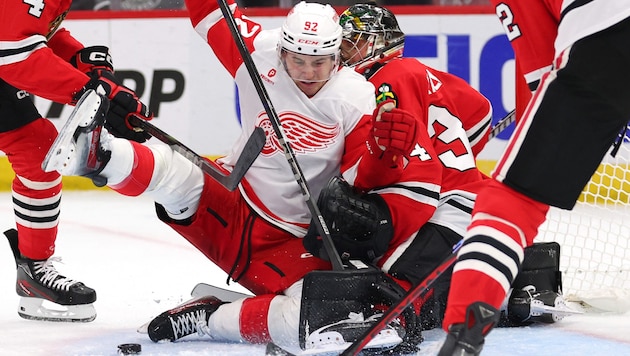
431,245
540,268
345,300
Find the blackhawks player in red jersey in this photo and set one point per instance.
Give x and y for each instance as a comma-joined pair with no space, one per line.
38,57
254,233
456,119
577,54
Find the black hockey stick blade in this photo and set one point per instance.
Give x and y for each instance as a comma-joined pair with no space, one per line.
250,152
502,124
317,217
417,291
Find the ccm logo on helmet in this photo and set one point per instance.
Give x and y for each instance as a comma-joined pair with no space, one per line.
308,42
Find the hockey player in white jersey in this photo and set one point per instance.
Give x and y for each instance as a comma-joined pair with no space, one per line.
255,232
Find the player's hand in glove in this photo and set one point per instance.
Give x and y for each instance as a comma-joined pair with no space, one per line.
94,57
123,104
394,130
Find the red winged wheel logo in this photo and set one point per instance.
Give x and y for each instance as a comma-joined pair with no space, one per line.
303,134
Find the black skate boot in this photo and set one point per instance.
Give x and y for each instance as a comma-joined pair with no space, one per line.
526,306
338,336
78,150
39,281
183,320
467,339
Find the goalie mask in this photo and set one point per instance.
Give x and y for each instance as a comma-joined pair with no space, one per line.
370,35
312,35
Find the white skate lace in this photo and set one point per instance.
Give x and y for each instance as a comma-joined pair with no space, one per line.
189,323
48,275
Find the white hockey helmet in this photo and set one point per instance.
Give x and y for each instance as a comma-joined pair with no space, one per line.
312,29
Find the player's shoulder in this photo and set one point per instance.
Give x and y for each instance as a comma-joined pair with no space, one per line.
405,64
348,82
28,19
267,38
346,92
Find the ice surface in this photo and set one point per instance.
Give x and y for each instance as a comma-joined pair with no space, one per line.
139,268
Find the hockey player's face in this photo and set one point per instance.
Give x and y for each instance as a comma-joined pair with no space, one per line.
354,49
309,73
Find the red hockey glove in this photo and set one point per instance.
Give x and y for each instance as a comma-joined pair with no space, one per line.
123,104
91,58
394,129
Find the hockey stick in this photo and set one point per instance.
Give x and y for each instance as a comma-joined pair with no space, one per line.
502,124
277,127
230,181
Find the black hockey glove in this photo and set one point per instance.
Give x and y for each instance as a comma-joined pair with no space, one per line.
123,104
91,58
360,225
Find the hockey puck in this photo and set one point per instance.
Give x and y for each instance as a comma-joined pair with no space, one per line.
129,349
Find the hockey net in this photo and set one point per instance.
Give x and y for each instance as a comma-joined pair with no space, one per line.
595,237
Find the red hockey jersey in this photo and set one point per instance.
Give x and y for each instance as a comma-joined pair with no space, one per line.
533,26
456,119
35,52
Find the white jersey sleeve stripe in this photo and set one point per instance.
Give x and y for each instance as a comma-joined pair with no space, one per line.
17,51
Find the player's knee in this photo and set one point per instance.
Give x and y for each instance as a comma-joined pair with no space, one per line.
38,136
501,201
176,184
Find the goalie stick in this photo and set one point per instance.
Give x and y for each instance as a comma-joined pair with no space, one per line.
230,181
318,219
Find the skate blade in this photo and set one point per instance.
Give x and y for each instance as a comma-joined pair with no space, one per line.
330,345
41,309
62,152
560,309
144,328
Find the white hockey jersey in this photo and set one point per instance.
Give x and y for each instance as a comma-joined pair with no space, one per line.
317,128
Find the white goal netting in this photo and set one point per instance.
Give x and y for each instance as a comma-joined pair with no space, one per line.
595,236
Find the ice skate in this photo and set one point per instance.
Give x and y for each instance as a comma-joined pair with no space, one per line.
334,338
467,339
77,150
46,294
528,305
339,335
183,320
